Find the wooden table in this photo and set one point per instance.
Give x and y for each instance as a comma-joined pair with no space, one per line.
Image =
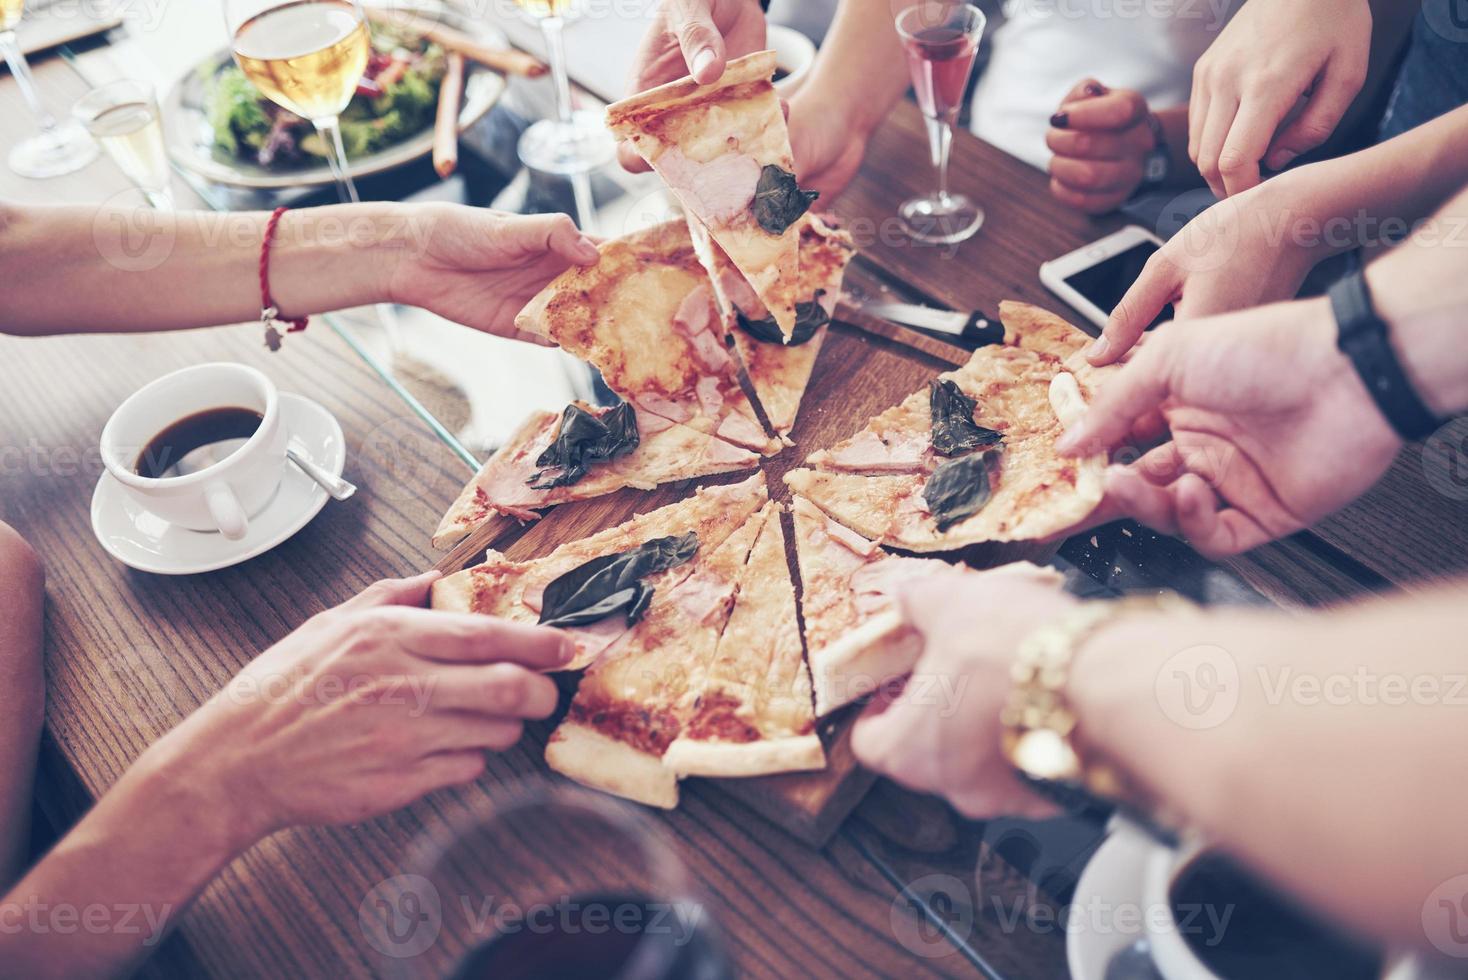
129,654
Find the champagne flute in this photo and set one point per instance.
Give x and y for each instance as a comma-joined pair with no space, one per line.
307,57
59,148
574,142
941,38
123,117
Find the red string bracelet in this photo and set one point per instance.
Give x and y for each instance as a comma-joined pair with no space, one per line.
269,312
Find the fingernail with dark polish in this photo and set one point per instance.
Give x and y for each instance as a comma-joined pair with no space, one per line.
1060,120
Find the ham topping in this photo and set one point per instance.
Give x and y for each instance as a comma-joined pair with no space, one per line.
664,406
867,453
718,191
695,321
741,429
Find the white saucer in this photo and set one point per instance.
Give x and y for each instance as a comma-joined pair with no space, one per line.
1113,878
144,541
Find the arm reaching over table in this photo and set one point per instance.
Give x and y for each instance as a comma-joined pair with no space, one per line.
85,269
1342,794
362,710
1272,427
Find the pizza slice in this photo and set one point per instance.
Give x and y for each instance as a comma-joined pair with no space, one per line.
536,469
631,703
855,635
779,369
724,152
970,459
517,590
750,713
644,315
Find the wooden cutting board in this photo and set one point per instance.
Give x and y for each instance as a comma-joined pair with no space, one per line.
864,367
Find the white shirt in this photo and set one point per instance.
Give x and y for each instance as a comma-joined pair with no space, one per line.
1045,47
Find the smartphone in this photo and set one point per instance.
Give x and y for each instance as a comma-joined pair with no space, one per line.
1095,277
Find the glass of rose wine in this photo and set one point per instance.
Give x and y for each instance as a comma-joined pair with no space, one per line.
307,57
574,142
60,147
941,39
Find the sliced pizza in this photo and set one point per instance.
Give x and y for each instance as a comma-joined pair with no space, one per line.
856,638
969,459
518,590
779,368
644,315
750,712
533,470
631,703
724,151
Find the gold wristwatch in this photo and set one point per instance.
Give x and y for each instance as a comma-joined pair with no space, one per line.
1039,726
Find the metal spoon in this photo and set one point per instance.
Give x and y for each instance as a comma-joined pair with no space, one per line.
334,485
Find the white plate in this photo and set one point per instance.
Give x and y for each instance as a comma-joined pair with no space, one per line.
1112,881
190,137
144,541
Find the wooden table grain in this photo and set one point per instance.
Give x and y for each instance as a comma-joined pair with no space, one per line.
129,654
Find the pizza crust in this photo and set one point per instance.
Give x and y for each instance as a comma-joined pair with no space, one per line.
878,650
592,759
688,757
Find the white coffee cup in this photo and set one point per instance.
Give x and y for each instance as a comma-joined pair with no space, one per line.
224,495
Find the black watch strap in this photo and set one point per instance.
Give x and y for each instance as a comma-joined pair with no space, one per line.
1363,337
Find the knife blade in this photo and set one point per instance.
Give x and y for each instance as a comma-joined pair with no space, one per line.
974,328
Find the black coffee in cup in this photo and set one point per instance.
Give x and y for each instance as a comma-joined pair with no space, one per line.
193,432
1241,929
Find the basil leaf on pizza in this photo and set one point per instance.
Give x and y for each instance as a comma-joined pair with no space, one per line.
809,317
613,583
778,200
583,440
959,488
954,428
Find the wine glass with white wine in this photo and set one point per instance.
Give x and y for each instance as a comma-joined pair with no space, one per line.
574,142
307,57
60,147
123,117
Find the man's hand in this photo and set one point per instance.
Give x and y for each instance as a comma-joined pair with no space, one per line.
941,733
693,37
365,708
1100,139
1271,428
1246,88
1256,247
479,267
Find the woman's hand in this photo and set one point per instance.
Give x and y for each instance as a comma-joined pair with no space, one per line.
1101,139
828,147
1245,87
1254,248
480,267
941,733
1271,427
692,37
364,709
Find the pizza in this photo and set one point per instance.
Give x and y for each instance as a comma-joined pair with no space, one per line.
724,152
513,482
517,590
969,459
632,702
644,316
750,712
779,368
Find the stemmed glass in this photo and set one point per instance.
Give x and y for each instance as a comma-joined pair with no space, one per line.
941,38
573,142
123,117
306,56
59,148
547,880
